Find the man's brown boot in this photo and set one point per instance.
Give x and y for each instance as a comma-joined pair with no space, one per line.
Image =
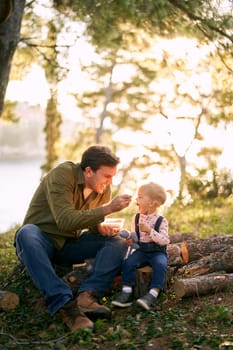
88,303
73,317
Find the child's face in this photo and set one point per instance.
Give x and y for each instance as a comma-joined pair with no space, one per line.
143,201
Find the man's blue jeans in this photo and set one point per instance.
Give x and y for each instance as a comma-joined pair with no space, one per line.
37,252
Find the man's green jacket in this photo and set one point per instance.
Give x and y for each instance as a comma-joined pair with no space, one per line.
58,206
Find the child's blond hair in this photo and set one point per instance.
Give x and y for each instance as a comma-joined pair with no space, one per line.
155,191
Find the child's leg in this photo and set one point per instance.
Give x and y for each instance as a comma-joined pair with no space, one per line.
130,265
125,297
158,263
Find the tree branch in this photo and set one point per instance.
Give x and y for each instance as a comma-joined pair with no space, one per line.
194,17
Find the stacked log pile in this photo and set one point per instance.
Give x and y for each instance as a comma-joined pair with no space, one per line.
195,266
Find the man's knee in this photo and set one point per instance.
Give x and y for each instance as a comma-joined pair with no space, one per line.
26,235
23,231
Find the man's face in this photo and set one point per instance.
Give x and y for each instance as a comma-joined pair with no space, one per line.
98,180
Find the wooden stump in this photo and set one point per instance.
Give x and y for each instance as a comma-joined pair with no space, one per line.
8,300
143,280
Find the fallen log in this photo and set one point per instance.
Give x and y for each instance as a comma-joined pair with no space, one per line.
201,285
8,300
218,261
180,237
175,254
197,249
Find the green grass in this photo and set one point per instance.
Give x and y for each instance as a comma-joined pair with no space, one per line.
204,322
202,218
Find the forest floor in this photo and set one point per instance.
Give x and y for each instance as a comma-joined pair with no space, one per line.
203,322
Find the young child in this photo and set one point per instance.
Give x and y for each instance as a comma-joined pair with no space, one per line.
152,247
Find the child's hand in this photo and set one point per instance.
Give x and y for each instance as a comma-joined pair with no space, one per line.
144,227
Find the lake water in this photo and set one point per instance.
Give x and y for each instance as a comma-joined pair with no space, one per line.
18,181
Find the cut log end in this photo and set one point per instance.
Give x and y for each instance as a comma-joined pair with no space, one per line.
8,300
184,252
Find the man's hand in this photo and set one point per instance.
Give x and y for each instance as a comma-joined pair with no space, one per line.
108,230
117,203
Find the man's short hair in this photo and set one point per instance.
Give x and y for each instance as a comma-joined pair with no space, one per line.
96,156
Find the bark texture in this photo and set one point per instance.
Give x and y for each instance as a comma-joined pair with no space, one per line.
219,261
10,24
203,284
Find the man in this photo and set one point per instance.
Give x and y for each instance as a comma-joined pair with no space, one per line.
63,226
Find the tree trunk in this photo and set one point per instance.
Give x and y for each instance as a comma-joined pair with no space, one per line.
8,300
201,285
10,24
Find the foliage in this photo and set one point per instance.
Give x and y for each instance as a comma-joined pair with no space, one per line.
165,17
9,112
203,187
192,323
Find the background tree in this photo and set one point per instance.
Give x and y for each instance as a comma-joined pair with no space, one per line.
209,182
53,117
